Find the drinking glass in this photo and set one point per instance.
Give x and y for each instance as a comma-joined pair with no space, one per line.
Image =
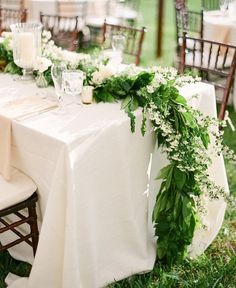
73,84
223,6
26,46
57,70
118,45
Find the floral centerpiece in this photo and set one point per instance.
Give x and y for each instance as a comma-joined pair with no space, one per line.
183,133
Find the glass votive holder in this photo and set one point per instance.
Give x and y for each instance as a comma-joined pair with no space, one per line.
87,94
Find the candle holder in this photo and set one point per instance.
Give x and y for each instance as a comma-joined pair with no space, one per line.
26,46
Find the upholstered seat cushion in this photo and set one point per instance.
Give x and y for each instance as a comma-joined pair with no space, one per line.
20,188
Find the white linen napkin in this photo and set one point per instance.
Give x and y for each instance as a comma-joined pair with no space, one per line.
16,110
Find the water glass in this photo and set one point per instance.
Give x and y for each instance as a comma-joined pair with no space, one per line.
56,72
118,45
223,6
73,84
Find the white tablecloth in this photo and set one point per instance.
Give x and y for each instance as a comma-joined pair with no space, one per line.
91,173
221,28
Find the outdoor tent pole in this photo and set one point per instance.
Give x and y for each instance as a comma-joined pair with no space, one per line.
160,6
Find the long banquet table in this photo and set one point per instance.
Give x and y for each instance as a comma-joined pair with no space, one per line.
96,190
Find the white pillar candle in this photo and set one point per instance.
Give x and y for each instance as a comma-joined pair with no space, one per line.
27,49
87,94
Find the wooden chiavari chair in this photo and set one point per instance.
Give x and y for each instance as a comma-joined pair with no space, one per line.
134,39
188,21
11,16
17,195
216,63
64,30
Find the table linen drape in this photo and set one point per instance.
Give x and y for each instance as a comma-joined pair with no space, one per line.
96,197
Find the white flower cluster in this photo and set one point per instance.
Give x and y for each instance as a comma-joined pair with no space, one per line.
163,75
6,39
102,74
169,73
42,64
182,80
57,54
156,82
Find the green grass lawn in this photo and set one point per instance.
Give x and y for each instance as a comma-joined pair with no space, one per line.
216,267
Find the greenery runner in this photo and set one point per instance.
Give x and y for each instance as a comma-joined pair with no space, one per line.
183,133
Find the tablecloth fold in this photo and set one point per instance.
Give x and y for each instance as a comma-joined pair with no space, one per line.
16,110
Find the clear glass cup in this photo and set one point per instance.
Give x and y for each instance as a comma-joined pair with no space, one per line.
223,6
26,46
73,84
57,70
118,42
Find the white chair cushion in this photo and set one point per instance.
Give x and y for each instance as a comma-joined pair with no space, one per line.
18,189
189,60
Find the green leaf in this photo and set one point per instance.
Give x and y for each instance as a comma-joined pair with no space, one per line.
205,139
125,102
169,178
164,172
190,120
181,100
180,178
142,80
133,104
176,120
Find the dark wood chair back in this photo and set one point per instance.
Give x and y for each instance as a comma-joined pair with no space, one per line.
180,4
215,62
11,16
134,39
210,4
64,30
31,219
188,21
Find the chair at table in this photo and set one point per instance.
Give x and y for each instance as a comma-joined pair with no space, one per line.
15,196
210,4
179,4
216,63
134,39
187,21
64,30
11,16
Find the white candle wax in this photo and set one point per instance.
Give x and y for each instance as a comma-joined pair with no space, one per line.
27,49
87,94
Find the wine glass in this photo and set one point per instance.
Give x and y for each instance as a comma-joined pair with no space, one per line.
118,42
56,72
73,84
223,6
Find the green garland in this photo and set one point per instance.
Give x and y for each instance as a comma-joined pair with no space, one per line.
175,215
179,132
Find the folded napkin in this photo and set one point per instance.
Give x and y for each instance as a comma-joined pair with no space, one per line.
17,110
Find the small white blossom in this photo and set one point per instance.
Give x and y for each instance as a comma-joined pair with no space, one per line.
42,64
102,74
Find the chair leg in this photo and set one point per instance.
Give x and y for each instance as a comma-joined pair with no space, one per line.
34,227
